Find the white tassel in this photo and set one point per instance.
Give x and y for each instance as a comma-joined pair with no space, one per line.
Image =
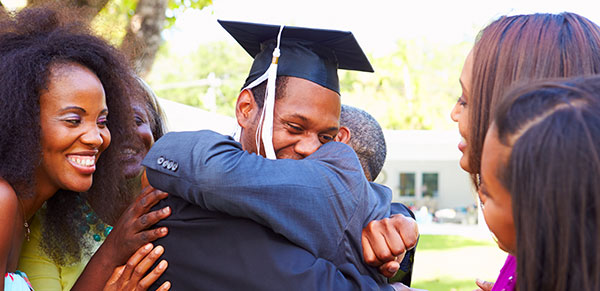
265,127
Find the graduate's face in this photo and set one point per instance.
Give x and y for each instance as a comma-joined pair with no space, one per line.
304,119
496,202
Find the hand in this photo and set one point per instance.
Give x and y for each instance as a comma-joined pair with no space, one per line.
129,277
484,285
385,242
130,232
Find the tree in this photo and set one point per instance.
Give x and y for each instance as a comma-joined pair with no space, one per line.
140,21
414,87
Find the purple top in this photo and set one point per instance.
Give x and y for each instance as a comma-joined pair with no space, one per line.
508,275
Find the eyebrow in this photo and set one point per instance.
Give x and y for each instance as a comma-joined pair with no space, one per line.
77,108
303,118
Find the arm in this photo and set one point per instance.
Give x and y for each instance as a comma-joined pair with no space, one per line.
9,204
301,199
129,276
129,234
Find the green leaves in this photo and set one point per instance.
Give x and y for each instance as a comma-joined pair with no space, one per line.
176,7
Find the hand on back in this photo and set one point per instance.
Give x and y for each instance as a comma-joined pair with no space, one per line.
385,242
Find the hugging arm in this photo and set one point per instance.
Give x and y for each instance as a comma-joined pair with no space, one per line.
301,199
130,233
9,204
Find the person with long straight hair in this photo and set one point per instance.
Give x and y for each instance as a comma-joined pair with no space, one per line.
513,50
540,190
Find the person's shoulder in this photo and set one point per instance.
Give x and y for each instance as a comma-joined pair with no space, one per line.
7,193
8,198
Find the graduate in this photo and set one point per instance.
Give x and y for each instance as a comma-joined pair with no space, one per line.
284,205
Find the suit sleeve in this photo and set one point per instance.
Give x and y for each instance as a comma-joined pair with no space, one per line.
308,201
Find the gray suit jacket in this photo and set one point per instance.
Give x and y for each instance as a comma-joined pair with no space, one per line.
320,203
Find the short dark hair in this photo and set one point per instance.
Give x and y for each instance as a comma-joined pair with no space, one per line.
552,176
259,92
32,41
366,138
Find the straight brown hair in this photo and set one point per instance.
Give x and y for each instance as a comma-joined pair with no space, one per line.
518,49
552,176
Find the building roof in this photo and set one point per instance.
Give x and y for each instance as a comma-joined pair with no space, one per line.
422,145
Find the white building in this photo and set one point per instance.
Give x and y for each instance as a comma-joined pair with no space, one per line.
422,168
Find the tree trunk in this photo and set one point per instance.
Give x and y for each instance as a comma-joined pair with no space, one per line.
143,38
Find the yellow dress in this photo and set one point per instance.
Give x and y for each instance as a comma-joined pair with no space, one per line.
44,274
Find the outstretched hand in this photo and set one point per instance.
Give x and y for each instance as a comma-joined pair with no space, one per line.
131,231
129,276
385,242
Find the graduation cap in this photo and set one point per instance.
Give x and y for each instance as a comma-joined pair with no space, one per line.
307,53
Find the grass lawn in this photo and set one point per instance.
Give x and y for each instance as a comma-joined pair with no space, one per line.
446,284
429,242
452,263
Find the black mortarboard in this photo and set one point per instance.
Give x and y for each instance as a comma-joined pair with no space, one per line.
308,53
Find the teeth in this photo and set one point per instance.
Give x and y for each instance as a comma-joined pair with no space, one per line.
83,161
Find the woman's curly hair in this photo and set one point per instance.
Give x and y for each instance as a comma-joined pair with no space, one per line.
31,42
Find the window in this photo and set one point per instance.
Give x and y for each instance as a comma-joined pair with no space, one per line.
430,185
407,184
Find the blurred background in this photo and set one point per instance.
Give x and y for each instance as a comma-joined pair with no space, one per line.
417,49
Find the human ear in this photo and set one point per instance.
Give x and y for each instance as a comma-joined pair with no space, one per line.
343,135
245,108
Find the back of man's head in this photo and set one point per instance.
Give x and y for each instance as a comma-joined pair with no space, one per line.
366,138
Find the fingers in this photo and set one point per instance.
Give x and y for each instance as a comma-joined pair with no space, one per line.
151,218
148,198
484,285
151,235
389,269
368,253
393,239
143,267
134,260
165,286
408,230
384,241
147,281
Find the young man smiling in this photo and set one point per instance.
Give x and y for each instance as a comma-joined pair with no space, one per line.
313,193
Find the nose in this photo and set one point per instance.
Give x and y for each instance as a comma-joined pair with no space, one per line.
455,113
307,145
93,137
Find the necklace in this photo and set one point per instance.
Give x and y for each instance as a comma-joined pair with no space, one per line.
25,223
98,229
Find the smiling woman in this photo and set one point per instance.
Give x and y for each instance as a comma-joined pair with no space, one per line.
65,96
73,119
